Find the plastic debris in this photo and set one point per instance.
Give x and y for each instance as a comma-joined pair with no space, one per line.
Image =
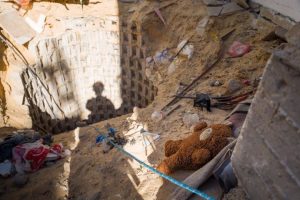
20,137
247,82
6,168
30,157
157,116
67,152
238,49
187,49
173,66
161,57
190,119
154,136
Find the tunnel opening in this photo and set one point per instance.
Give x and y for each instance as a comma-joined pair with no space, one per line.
93,72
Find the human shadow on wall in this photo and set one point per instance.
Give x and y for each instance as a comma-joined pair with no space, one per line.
101,108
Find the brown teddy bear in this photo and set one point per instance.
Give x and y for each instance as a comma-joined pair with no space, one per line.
196,150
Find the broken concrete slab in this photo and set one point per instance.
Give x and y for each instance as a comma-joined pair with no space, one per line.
10,20
230,8
214,2
289,8
259,154
276,18
293,35
200,29
280,32
242,3
214,10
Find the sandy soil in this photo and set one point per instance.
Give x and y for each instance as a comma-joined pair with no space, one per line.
90,174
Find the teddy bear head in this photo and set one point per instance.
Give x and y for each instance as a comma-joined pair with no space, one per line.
206,132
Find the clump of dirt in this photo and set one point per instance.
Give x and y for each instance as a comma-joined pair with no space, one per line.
89,173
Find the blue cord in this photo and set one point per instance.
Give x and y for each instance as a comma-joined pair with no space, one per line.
169,178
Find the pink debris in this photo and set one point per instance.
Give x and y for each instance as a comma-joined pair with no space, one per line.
238,49
246,82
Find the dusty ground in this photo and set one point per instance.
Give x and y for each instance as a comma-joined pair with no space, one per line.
90,174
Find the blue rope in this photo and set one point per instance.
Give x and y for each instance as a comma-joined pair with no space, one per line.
169,178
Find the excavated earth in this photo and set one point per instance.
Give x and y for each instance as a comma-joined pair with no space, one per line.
90,174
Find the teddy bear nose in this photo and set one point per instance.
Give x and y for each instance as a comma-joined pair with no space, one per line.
205,134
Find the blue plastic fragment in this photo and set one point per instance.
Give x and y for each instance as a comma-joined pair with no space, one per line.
100,138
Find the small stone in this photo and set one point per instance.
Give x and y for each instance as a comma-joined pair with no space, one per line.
20,180
215,83
234,85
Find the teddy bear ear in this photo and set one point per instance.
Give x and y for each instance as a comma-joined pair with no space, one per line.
201,125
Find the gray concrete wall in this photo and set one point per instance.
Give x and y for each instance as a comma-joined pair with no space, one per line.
266,157
289,8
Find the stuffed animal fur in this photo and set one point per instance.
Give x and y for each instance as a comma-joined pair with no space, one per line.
196,150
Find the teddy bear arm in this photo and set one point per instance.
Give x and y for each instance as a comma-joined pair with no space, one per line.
200,126
171,147
200,157
170,164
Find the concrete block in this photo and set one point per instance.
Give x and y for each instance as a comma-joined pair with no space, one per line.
230,8
293,35
266,151
277,18
289,8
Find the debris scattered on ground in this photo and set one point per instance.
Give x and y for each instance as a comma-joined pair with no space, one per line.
127,178
201,27
6,168
193,153
234,85
215,83
293,35
216,8
157,116
185,49
159,58
30,157
224,173
214,11
190,119
20,137
105,139
230,8
238,49
214,2
157,11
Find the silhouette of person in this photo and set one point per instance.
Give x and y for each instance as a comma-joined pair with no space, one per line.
101,108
